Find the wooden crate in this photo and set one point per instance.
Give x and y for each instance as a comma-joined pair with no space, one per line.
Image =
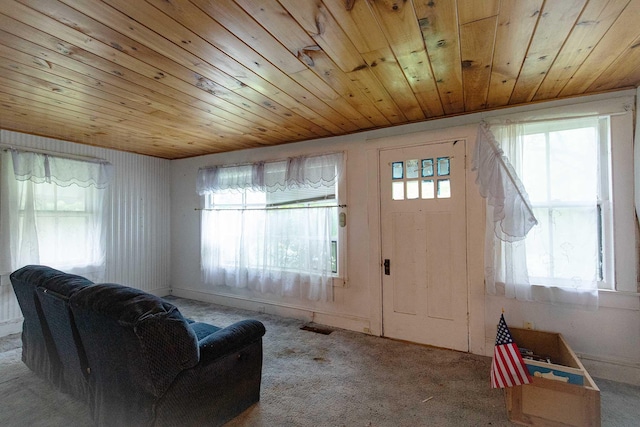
547,402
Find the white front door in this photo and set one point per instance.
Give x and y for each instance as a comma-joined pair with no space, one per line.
424,275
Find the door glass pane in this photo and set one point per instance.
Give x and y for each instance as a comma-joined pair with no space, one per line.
412,168
428,189
443,166
397,190
427,167
397,170
444,188
413,189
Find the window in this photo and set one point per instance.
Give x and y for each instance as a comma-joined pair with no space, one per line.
565,169
579,177
578,174
53,212
274,227
419,179
64,219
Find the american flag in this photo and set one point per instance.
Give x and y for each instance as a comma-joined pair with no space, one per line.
507,368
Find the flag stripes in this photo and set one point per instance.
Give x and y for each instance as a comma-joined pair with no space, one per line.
507,371
507,368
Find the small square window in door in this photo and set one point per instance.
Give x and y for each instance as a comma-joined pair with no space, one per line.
444,188
427,168
443,166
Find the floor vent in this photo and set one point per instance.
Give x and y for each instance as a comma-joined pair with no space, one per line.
316,329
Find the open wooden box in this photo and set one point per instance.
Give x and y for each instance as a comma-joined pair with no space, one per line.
549,402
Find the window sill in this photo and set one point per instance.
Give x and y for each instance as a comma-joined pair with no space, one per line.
610,299
619,300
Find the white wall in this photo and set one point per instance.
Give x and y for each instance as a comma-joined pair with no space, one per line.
608,340
138,247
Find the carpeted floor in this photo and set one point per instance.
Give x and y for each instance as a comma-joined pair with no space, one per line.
310,379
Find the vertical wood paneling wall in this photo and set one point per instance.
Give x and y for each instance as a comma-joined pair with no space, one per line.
138,245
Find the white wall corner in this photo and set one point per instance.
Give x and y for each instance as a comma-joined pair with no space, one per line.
161,292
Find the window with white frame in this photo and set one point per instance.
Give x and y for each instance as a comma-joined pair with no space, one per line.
274,227
576,176
65,218
53,212
565,169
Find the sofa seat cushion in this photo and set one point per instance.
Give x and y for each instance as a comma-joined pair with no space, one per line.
203,330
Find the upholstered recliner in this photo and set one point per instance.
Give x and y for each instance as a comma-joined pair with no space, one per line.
150,366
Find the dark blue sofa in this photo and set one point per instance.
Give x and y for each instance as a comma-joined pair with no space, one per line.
132,356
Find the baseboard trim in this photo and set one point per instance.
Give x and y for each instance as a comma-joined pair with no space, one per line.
614,370
337,320
609,369
162,292
12,326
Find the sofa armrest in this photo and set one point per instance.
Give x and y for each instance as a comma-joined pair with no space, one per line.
230,339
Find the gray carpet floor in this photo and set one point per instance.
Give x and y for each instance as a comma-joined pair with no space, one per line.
310,379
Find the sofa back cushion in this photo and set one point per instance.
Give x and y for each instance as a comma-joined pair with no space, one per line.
53,295
136,344
68,346
38,349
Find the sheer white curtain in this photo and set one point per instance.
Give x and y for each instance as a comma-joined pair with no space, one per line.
286,251
509,212
52,212
539,259
274,251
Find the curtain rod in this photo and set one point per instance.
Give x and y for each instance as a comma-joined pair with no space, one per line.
231,165
551,119
7,147
269,209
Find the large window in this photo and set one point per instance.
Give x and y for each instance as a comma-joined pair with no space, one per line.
53,212
565,169
274,227
66,220
576,176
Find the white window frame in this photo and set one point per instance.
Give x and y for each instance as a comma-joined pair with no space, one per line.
339,278
58,214
604,202
621,159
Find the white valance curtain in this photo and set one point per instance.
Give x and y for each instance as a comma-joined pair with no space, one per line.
511,217
295,172
40,168
52,211
269,250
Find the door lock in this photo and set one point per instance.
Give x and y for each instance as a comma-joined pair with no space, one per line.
387,267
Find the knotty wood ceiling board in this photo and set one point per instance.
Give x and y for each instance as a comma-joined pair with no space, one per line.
181,78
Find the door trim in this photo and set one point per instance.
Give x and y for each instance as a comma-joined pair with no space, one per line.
475,214
459,325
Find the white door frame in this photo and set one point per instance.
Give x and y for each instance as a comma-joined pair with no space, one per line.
475,219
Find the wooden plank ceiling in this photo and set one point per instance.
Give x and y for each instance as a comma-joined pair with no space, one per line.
180,78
